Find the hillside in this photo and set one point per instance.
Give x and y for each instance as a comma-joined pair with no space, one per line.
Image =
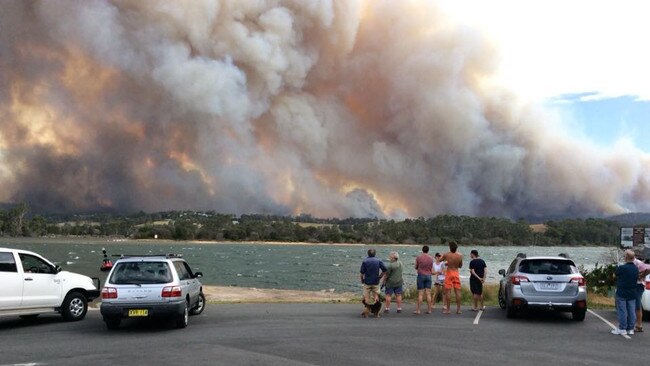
632,219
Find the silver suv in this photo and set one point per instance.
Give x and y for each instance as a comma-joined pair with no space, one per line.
543,283
151,286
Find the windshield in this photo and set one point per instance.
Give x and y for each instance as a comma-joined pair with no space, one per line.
141,273
546,266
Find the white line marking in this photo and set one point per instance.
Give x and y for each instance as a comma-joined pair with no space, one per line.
607,322
478,316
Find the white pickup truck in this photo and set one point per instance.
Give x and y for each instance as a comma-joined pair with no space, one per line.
32,285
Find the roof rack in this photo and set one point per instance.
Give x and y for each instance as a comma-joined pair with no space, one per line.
168,255
563,255
521,255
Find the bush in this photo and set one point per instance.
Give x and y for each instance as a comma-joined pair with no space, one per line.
601,279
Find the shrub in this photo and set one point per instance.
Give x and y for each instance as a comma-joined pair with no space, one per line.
600,279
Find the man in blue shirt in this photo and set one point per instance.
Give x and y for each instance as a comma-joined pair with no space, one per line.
626,277
371,273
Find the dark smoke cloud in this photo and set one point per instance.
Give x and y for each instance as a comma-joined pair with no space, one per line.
333,108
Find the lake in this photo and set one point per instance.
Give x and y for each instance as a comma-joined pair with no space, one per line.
280,266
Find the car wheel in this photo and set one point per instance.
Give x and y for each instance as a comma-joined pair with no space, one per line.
200,305
502,301
113,323
511,312
579,314
183,319
74,307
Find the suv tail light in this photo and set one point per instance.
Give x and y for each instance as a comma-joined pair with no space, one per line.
579,280
516,280
109,293
172,291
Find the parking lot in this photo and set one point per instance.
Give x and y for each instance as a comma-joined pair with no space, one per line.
321,334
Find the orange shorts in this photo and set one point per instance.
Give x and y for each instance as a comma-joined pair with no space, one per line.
452,280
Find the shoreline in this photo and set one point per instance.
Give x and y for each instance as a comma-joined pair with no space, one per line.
129,241
253,295
234,294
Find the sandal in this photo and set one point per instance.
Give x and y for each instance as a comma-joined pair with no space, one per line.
638,329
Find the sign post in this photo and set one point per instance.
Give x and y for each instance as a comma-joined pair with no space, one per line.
638,238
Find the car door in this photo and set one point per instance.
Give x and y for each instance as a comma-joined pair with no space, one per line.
41,284
188,282
11,280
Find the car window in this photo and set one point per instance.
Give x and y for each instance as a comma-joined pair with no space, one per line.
512,267
183,271
7,262
141,273
546,266
32,264
188,269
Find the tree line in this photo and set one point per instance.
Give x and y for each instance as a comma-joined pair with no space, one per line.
210,225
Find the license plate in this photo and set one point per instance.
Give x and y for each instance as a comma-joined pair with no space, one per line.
138,312
548,286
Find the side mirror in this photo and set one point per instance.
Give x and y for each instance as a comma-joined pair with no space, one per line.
198,274
502,272
57,269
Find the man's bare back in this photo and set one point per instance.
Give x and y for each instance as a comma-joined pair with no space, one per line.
454,260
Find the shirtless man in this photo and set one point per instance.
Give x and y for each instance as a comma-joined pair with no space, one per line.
452,277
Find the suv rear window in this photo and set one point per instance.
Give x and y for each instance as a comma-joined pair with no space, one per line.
141,273
546,266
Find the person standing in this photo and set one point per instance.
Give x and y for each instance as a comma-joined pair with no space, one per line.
371,272
424,268
439,269
644,270
452,276
394,281
478,273
626,277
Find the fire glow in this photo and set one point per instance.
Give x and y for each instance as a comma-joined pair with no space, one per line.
345,108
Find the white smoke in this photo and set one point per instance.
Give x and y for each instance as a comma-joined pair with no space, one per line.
332,108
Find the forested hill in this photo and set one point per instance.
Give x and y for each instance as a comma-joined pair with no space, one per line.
632,219
192,225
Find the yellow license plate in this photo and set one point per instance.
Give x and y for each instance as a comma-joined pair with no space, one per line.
138,312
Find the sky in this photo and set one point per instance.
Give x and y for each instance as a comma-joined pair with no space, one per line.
585,60
333,108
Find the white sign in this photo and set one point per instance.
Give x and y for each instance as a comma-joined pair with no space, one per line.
627,237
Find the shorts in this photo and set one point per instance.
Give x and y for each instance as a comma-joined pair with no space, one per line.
424,282
394,290
639,294
475,286
370,292
440,281
452,280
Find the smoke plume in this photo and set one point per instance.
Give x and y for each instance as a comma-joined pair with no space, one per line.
332,108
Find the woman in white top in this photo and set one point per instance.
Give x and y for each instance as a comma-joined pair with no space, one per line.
439,269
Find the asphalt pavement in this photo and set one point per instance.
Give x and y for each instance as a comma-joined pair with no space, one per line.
322,334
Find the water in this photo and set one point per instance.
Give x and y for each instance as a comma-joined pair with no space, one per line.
280,266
